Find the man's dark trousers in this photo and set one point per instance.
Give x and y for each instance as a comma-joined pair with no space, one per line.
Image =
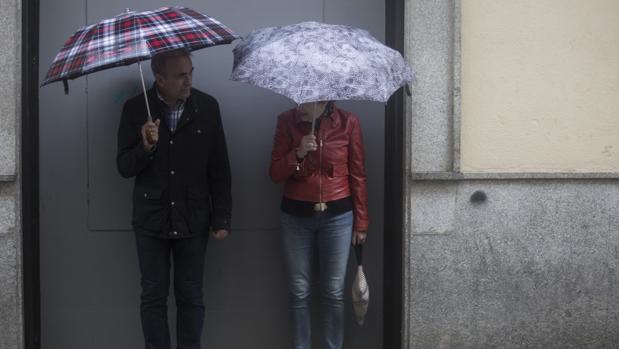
155,255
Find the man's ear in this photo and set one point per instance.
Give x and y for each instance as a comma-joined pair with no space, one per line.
159,80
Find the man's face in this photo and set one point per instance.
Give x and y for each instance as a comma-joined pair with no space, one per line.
174,83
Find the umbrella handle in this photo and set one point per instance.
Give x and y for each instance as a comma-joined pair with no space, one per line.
312,130
313,126
150,118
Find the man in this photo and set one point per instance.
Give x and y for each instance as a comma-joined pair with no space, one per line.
182,189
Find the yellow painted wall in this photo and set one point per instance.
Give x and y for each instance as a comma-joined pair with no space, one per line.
540,86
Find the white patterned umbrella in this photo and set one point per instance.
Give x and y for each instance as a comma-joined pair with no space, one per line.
310,61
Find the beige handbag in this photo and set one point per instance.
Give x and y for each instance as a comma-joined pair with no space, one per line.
360,289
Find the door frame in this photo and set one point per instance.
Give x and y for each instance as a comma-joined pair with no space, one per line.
393,189
394,195
30,174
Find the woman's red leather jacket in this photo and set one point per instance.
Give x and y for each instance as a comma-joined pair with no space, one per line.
335,171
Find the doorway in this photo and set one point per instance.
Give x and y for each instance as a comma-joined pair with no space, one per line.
87,254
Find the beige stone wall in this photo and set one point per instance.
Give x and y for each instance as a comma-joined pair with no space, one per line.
540,86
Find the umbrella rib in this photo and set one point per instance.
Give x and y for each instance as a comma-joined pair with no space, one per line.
202,26
74,52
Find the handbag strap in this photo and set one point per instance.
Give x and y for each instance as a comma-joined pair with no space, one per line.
359,253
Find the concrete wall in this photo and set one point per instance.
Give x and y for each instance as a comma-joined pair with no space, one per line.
496,260
10,231
535,265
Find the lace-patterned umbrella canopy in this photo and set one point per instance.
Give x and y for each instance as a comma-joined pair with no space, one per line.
310,61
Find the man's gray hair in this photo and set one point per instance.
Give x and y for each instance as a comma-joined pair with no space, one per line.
157,63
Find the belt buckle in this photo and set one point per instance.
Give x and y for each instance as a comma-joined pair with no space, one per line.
320,207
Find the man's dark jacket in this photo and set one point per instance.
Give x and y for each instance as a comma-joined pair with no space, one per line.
182,188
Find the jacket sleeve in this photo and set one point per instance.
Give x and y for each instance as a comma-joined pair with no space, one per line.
131,158
357,179
283,156
219,177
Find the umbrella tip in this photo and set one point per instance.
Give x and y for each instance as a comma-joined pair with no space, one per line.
127,10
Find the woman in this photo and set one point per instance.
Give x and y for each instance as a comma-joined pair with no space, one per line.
318,153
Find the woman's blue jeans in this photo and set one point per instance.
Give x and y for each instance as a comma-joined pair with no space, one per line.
332,235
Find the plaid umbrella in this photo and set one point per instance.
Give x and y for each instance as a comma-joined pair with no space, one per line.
133,37
312,61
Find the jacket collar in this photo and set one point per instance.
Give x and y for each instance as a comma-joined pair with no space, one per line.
158,107
161,99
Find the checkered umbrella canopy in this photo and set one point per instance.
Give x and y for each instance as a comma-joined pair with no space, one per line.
135,36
